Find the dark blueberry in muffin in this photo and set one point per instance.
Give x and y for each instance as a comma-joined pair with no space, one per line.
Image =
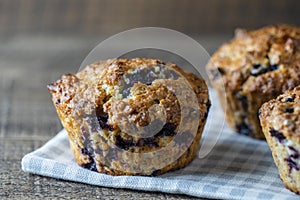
277,134
291,160
156,172
124,143
243,100
289,110
84,151
296,154
147,76
244,128
292,164
261,69
289,99
57,101
221,71
91,166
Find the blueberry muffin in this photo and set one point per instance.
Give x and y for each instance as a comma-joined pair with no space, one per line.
280,121
255,67
132,116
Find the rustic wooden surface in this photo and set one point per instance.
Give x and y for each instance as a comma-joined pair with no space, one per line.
108,17
28,118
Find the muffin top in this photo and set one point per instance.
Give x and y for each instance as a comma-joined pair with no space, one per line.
283,115
262,61
126,96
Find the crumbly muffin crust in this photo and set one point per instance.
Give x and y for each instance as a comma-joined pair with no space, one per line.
108,110
280,120
255,67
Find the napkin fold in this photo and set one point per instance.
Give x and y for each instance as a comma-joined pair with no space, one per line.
237,167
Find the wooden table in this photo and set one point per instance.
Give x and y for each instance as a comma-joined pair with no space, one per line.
28,118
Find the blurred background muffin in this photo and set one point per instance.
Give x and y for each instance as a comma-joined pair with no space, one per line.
255,67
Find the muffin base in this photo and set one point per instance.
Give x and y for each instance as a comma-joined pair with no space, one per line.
281,152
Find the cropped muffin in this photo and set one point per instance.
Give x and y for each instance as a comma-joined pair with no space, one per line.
132,116
255,67
280,120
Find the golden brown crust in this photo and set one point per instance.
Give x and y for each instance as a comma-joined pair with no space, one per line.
283,113
101,105
280,120
254,67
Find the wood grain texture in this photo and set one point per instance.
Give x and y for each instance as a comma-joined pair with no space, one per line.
108,17
28,118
